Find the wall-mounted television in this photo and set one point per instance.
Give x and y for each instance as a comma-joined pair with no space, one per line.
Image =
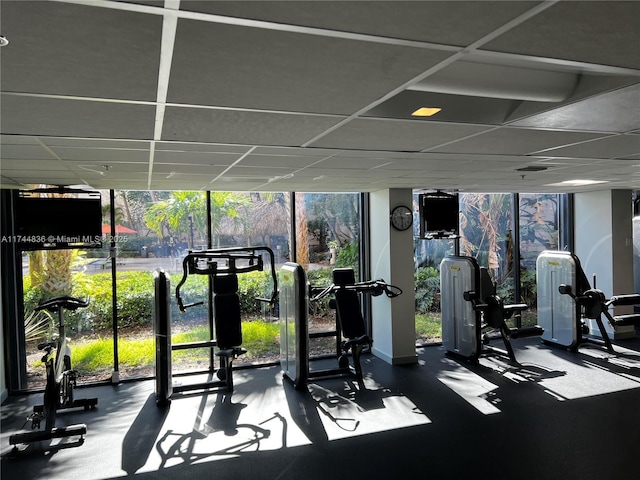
46,221
439,214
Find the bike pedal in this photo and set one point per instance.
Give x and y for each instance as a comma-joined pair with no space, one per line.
35,419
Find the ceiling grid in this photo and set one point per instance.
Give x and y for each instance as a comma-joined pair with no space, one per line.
318,96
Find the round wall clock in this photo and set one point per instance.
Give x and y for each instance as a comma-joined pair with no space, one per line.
401,217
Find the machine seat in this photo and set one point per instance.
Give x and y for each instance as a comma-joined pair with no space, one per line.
231,352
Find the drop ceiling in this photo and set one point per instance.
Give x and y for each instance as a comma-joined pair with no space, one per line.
318,96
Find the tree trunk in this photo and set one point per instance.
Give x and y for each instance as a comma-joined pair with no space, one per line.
57,273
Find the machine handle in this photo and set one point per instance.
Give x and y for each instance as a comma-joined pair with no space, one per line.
183,307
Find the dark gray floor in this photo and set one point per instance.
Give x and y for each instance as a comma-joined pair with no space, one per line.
557,415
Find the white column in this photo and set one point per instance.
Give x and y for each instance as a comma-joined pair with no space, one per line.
604,244
393,319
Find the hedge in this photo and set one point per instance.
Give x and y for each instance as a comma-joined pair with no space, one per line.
136,298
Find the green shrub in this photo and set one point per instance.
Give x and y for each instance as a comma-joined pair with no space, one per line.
348,256
135,300
135,292
321,277
529,287
195,289
427,284
254,285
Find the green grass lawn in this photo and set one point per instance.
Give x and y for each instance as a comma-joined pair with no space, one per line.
260,338
428,327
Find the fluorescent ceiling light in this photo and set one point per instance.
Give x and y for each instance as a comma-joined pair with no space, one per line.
582,182
426,112
577,183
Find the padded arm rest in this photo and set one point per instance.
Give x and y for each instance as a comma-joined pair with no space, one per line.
631,299
622,320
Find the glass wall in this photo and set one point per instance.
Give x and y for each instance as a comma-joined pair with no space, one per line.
489,233
539,231
150,230
155,230
52,273
327,236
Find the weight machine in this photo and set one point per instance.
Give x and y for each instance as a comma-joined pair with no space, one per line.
472,313
566,300
351,333
222,266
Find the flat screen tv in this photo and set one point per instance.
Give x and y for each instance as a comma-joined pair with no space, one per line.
47,223
439,214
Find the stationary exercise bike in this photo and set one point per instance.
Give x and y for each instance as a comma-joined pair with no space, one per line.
61,380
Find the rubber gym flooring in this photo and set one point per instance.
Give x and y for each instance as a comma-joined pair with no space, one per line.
556,414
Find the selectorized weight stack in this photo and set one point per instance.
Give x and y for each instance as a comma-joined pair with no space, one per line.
558,314
293,304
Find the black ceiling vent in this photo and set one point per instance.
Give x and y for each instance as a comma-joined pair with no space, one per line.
531,168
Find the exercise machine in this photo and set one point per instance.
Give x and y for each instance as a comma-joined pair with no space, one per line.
222,266
61,380
473,314
566,300
351,331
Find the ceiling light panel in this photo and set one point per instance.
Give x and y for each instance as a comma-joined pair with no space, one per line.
454,108
426,112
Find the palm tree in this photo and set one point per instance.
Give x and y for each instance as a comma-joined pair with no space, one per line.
176,215
50,270
484,222
302,231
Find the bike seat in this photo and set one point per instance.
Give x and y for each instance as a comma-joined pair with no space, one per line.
66,302
47,345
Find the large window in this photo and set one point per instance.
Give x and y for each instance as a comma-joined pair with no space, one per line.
145,231
489,233
52,273
327,236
